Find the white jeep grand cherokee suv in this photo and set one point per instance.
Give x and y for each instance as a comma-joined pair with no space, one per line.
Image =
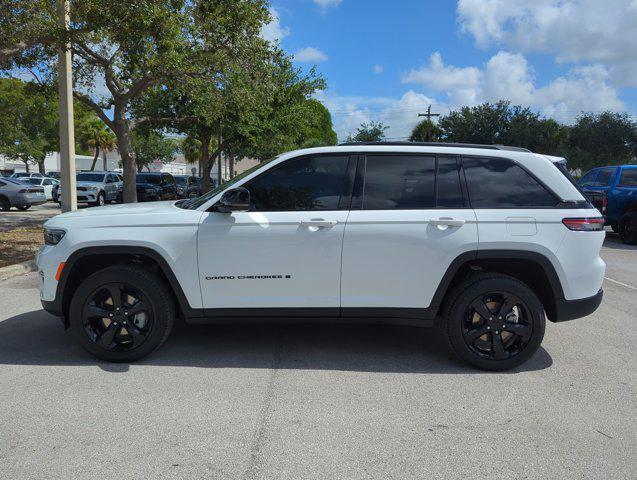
487,240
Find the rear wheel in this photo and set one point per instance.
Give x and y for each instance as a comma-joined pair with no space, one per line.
494,322
23,207
5,205
121,314
628,228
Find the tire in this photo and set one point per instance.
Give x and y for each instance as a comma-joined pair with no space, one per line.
101,200
23,208
107,338
628,228
5,205
481,341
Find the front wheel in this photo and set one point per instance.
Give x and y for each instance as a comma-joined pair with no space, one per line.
22,208
628,228
101,200
494,322
121,313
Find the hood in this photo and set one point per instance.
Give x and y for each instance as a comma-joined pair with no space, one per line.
116,210
88,184
147,185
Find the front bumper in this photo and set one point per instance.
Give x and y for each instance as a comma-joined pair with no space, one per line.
572,309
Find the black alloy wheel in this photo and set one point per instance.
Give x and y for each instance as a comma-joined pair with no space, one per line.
122,313
628,228
496,326
117,316
494,321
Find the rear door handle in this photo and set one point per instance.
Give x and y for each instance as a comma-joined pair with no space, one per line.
447,222
319,223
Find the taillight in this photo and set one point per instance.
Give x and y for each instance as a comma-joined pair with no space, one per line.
604,203
593,224
23,190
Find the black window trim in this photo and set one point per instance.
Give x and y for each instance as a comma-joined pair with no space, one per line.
559,202
361,175
344,201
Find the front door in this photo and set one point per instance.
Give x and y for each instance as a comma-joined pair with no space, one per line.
284,255
409,221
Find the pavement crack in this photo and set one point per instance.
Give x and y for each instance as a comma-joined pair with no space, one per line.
260,435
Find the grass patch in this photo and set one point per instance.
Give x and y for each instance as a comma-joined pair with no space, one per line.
20,244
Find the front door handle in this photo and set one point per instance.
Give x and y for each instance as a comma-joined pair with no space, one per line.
446,222
319,223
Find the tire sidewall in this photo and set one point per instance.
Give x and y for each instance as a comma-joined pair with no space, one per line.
497,284
150,287
630,218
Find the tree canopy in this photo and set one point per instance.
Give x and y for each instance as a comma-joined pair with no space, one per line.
426,131
369,132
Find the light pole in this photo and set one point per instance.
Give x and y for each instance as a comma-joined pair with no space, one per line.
67,134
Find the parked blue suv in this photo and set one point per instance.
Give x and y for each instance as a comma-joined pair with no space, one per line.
618,188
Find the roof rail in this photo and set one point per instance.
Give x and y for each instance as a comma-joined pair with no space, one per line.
435,144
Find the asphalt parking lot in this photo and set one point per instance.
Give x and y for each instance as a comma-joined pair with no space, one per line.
320,402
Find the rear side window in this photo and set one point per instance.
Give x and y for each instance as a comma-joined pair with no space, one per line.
604,178
500,183
304,184
395,182
628,178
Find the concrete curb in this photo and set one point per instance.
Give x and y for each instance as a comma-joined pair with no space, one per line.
17,269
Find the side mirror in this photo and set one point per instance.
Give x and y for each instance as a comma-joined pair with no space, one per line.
234,200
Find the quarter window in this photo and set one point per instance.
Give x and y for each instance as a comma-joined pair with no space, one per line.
399,182
308,183
628,178
500,183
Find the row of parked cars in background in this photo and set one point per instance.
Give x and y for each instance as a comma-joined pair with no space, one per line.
24,189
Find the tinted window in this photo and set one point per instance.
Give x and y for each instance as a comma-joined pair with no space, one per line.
90,177
604,178
500,183
180,180
34,181
628,178
399,182
153,179
168,179
586,180
449,190
47,182
311,183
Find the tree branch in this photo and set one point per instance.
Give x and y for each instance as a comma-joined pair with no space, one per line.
96,108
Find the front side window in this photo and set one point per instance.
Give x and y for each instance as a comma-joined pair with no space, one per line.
628,178
399,182
588,179
500,183
308,183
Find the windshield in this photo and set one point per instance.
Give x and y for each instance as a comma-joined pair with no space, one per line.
90,177
195,203
152,179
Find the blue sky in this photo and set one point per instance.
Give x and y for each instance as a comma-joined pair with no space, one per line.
389,60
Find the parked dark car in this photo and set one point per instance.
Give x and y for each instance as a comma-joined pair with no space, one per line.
613,190
188,186
156,186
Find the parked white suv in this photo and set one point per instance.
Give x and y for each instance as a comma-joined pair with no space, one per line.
486,240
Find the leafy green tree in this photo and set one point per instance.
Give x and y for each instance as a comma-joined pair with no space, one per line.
96,137
369,132
29,122
602,139
150,146
132,46
426,131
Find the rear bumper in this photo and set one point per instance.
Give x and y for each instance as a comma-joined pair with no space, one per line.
572,309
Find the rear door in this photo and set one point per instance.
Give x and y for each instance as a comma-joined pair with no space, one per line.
283,256
409,220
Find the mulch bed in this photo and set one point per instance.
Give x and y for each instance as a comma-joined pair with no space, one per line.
20,244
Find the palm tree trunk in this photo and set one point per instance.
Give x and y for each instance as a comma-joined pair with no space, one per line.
97,154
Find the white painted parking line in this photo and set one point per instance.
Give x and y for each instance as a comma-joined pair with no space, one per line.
632,287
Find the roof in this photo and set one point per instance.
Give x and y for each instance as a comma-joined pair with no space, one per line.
436,144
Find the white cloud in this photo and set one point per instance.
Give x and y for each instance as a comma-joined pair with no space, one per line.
508,76
460,83
327,3
573,30
378,69
273,31
400,114
310,54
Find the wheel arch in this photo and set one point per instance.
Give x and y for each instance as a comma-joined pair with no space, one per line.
88,260
532,268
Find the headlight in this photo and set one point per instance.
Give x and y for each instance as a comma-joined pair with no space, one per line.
53,236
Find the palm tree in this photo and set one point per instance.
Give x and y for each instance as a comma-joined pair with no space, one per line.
97,136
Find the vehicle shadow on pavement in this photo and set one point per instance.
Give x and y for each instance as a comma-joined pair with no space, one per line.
613,241
37,338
